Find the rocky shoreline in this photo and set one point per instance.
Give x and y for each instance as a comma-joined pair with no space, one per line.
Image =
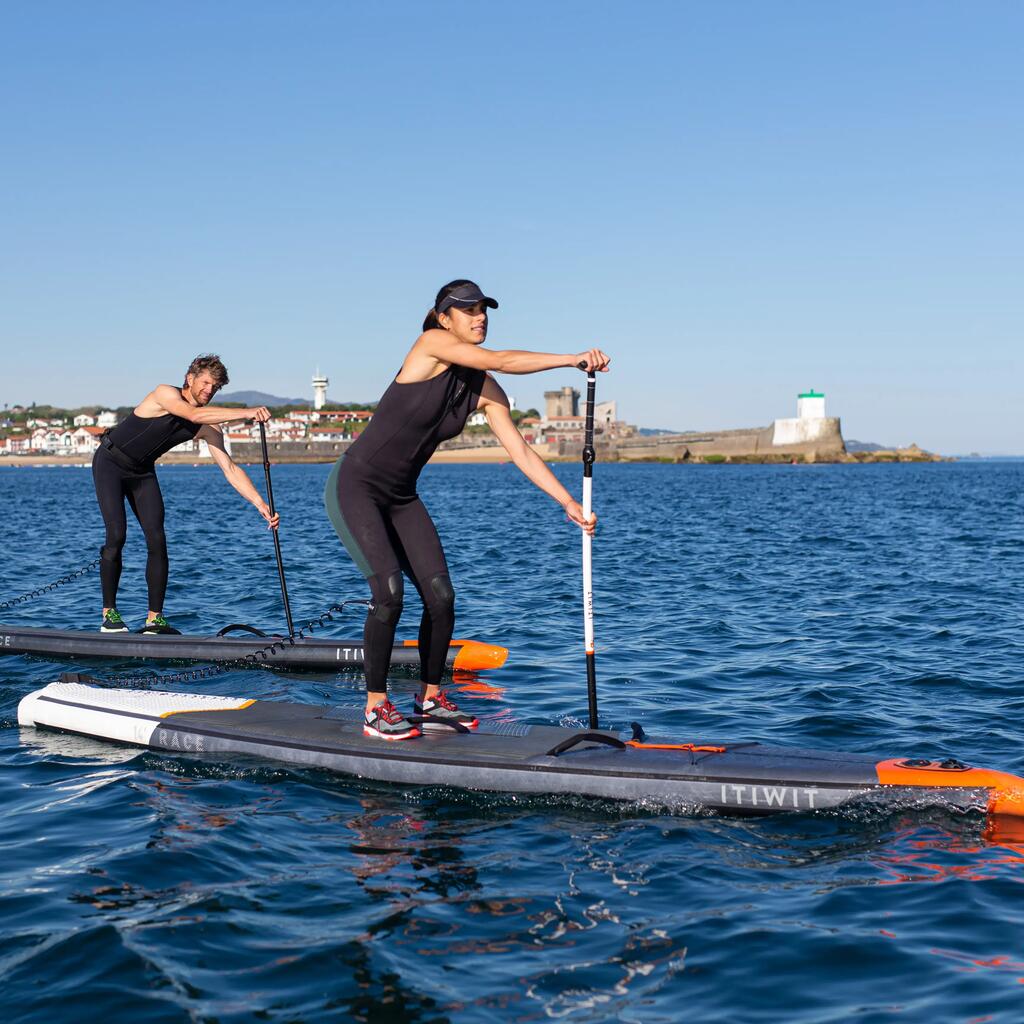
492,454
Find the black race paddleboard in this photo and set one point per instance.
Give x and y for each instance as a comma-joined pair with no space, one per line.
313,654
718,775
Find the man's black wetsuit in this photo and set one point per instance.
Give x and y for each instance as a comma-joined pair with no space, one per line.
123,467
371,500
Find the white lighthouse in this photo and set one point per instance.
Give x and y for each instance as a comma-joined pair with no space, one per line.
320,383
810,423
810,405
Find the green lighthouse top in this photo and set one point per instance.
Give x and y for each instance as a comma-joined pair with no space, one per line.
811,394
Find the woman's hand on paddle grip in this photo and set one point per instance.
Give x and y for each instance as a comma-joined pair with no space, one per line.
574,510
591,360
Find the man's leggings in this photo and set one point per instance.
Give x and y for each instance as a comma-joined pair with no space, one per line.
113,485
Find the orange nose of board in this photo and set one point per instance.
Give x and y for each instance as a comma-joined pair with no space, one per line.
474,656
1006,791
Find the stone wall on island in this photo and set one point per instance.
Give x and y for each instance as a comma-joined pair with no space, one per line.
820,439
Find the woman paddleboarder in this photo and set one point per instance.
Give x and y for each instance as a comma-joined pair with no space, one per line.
371,491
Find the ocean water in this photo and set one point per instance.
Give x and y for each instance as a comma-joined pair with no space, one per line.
875,609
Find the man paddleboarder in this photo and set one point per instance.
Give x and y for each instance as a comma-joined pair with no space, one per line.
123,467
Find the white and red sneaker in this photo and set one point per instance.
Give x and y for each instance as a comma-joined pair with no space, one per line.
385,722
442,710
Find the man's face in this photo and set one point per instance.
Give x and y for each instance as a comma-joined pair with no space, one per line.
202,386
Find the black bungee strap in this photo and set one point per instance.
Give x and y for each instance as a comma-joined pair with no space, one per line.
420,719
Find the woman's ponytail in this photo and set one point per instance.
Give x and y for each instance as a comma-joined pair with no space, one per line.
430,322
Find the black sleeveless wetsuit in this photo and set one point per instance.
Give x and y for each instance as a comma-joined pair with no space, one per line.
123,467
371,500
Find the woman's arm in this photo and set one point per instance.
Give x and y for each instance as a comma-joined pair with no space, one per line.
166,398
495,405
235,475
442,347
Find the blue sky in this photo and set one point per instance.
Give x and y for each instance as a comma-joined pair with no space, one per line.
738,200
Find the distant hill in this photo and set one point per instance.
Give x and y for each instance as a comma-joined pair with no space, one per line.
655,431
251,398
866,446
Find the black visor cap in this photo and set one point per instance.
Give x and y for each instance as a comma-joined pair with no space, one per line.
464,296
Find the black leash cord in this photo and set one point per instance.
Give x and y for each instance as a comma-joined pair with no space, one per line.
39,591
255,659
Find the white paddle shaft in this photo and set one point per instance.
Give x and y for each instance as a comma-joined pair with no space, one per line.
588,581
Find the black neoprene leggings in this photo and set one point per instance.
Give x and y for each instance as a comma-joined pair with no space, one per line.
386,539
113,485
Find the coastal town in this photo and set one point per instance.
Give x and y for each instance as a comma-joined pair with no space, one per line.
319,430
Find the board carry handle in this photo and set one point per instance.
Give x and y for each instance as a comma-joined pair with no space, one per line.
240,626
585,737
79,677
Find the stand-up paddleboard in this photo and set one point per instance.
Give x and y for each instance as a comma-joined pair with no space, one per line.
718,775
680,773
310,653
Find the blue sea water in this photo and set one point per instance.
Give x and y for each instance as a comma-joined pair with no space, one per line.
866,608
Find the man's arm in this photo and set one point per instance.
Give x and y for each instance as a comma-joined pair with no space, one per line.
235,475
164,398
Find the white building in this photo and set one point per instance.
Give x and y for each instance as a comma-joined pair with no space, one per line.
86,439
52,440
82,420
809,424
810,405
106,420
18,444
320,383
321,434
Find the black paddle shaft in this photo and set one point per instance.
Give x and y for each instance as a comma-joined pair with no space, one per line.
277,539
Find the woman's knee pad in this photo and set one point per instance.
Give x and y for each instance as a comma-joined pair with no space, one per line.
439,596
388,598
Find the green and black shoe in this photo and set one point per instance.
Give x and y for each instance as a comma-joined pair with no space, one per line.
112,622
159,626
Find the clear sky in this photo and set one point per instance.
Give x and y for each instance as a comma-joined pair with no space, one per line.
739,200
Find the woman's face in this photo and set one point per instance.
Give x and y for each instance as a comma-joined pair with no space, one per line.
469,325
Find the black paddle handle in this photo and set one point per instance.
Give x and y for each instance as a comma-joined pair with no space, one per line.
277,539
588,428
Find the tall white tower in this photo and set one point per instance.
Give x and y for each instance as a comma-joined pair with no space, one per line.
810,405
320,383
